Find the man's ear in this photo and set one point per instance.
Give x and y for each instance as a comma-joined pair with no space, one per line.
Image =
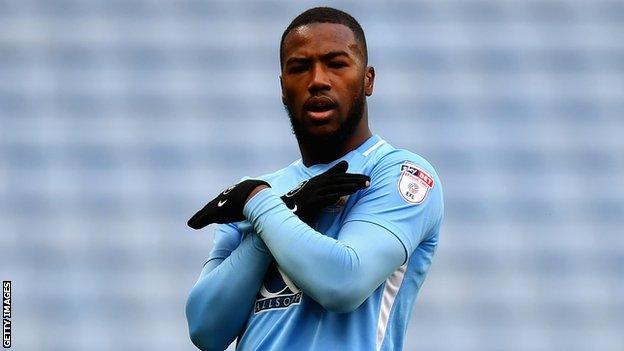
282,88
369,80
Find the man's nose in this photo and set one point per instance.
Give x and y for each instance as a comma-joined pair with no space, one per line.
320,80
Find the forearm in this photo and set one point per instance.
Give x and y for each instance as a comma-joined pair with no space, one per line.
220,302
351,269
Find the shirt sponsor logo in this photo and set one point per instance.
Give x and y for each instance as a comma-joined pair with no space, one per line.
414,183
277,291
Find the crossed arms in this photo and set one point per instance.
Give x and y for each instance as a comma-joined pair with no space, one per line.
339,274
352,268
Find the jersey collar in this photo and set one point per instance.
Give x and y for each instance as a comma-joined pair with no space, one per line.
365,149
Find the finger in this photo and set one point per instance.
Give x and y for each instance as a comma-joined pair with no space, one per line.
338,168
327,200
342,189
203,217
327,188
206,217
198,220
347,178
347,175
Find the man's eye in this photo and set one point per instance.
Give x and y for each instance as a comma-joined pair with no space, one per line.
337,64
297,69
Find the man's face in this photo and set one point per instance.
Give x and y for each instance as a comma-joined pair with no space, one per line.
324,80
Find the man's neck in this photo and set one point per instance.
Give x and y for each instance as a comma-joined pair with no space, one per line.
315,154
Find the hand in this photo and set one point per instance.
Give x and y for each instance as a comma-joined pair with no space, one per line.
312,195
228,206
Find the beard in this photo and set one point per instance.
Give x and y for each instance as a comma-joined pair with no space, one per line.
329,144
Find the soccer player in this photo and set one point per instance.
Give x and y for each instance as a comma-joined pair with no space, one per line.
313,257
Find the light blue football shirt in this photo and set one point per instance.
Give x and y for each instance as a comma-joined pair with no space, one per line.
406,198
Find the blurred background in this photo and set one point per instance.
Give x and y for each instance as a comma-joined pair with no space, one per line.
120,118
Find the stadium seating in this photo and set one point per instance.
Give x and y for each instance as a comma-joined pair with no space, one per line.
119,119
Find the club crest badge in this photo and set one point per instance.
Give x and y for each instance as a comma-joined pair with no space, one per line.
414,183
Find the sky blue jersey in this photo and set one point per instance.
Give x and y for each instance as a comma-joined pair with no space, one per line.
405,197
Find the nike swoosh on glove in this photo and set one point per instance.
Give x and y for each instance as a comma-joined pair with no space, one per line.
312,195
227,207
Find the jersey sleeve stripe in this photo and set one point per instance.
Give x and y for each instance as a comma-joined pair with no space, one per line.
372,148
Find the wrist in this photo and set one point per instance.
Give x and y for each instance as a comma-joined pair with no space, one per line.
255,191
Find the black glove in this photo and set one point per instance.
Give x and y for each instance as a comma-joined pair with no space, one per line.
312,195
227,207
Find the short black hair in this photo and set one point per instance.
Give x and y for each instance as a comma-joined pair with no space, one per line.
326,15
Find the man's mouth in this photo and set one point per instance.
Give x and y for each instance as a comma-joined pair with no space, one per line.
319,108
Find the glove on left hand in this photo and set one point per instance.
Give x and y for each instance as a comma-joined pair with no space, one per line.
311,196
227,207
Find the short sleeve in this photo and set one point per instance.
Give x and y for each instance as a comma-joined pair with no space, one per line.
405,197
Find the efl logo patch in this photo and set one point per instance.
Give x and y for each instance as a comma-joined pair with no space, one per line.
414,183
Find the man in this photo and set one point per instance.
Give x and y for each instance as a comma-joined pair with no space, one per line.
336,262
